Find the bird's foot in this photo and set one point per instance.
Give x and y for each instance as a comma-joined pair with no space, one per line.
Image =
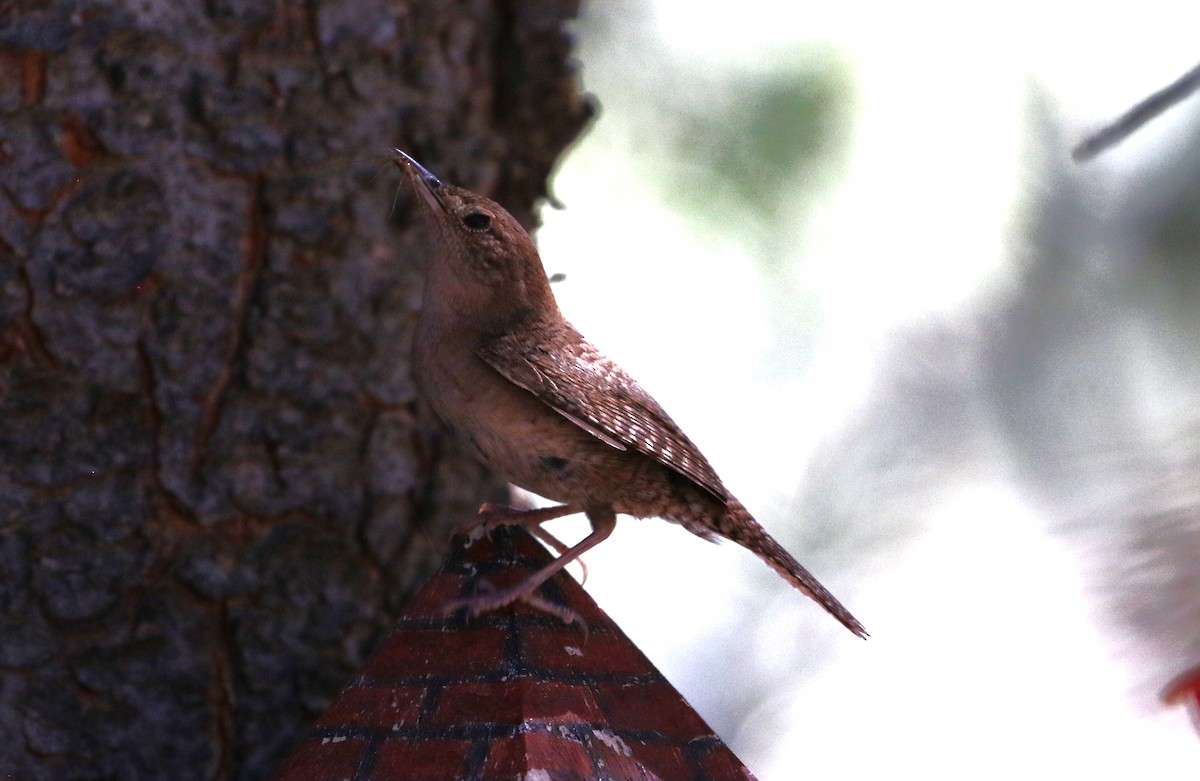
490,598
487,518
492,515
603,520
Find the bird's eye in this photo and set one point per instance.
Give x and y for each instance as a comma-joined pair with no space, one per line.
477,221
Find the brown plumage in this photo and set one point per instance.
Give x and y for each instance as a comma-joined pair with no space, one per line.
546,410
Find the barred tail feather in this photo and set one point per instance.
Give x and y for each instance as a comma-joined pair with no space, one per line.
738,525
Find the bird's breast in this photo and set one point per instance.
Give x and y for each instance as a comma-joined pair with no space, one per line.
518,436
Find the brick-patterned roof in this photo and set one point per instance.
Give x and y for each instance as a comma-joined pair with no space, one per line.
513,695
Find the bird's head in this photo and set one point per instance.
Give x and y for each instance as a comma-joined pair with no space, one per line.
485,258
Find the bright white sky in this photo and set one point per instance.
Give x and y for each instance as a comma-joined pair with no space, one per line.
942,91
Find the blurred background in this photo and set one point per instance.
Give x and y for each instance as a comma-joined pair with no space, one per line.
957,374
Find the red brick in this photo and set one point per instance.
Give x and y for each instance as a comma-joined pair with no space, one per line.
509,576
654,707
566,650
323,759
374,706
483,548
623,758
421,760
487,547
586,608
560,757
721,764
431,600
530,548
567,592
438,653
514,702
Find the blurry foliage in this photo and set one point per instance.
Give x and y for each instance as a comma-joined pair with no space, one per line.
767,145
746,150
744,153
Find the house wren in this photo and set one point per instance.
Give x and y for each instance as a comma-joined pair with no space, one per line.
546,410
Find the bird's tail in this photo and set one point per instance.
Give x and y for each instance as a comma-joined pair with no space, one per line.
738,525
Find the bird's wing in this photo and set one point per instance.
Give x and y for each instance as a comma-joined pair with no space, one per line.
585,387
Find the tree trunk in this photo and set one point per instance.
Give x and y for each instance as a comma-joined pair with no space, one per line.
216,484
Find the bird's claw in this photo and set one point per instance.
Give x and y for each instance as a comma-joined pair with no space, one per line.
488,598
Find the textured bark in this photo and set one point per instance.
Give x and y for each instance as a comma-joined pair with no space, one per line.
216,483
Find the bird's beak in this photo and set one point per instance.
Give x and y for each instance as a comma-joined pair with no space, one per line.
426,184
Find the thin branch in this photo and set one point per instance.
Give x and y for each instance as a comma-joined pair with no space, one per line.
1129,122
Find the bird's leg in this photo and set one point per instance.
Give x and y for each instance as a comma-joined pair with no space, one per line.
560,548
492,515
603,521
